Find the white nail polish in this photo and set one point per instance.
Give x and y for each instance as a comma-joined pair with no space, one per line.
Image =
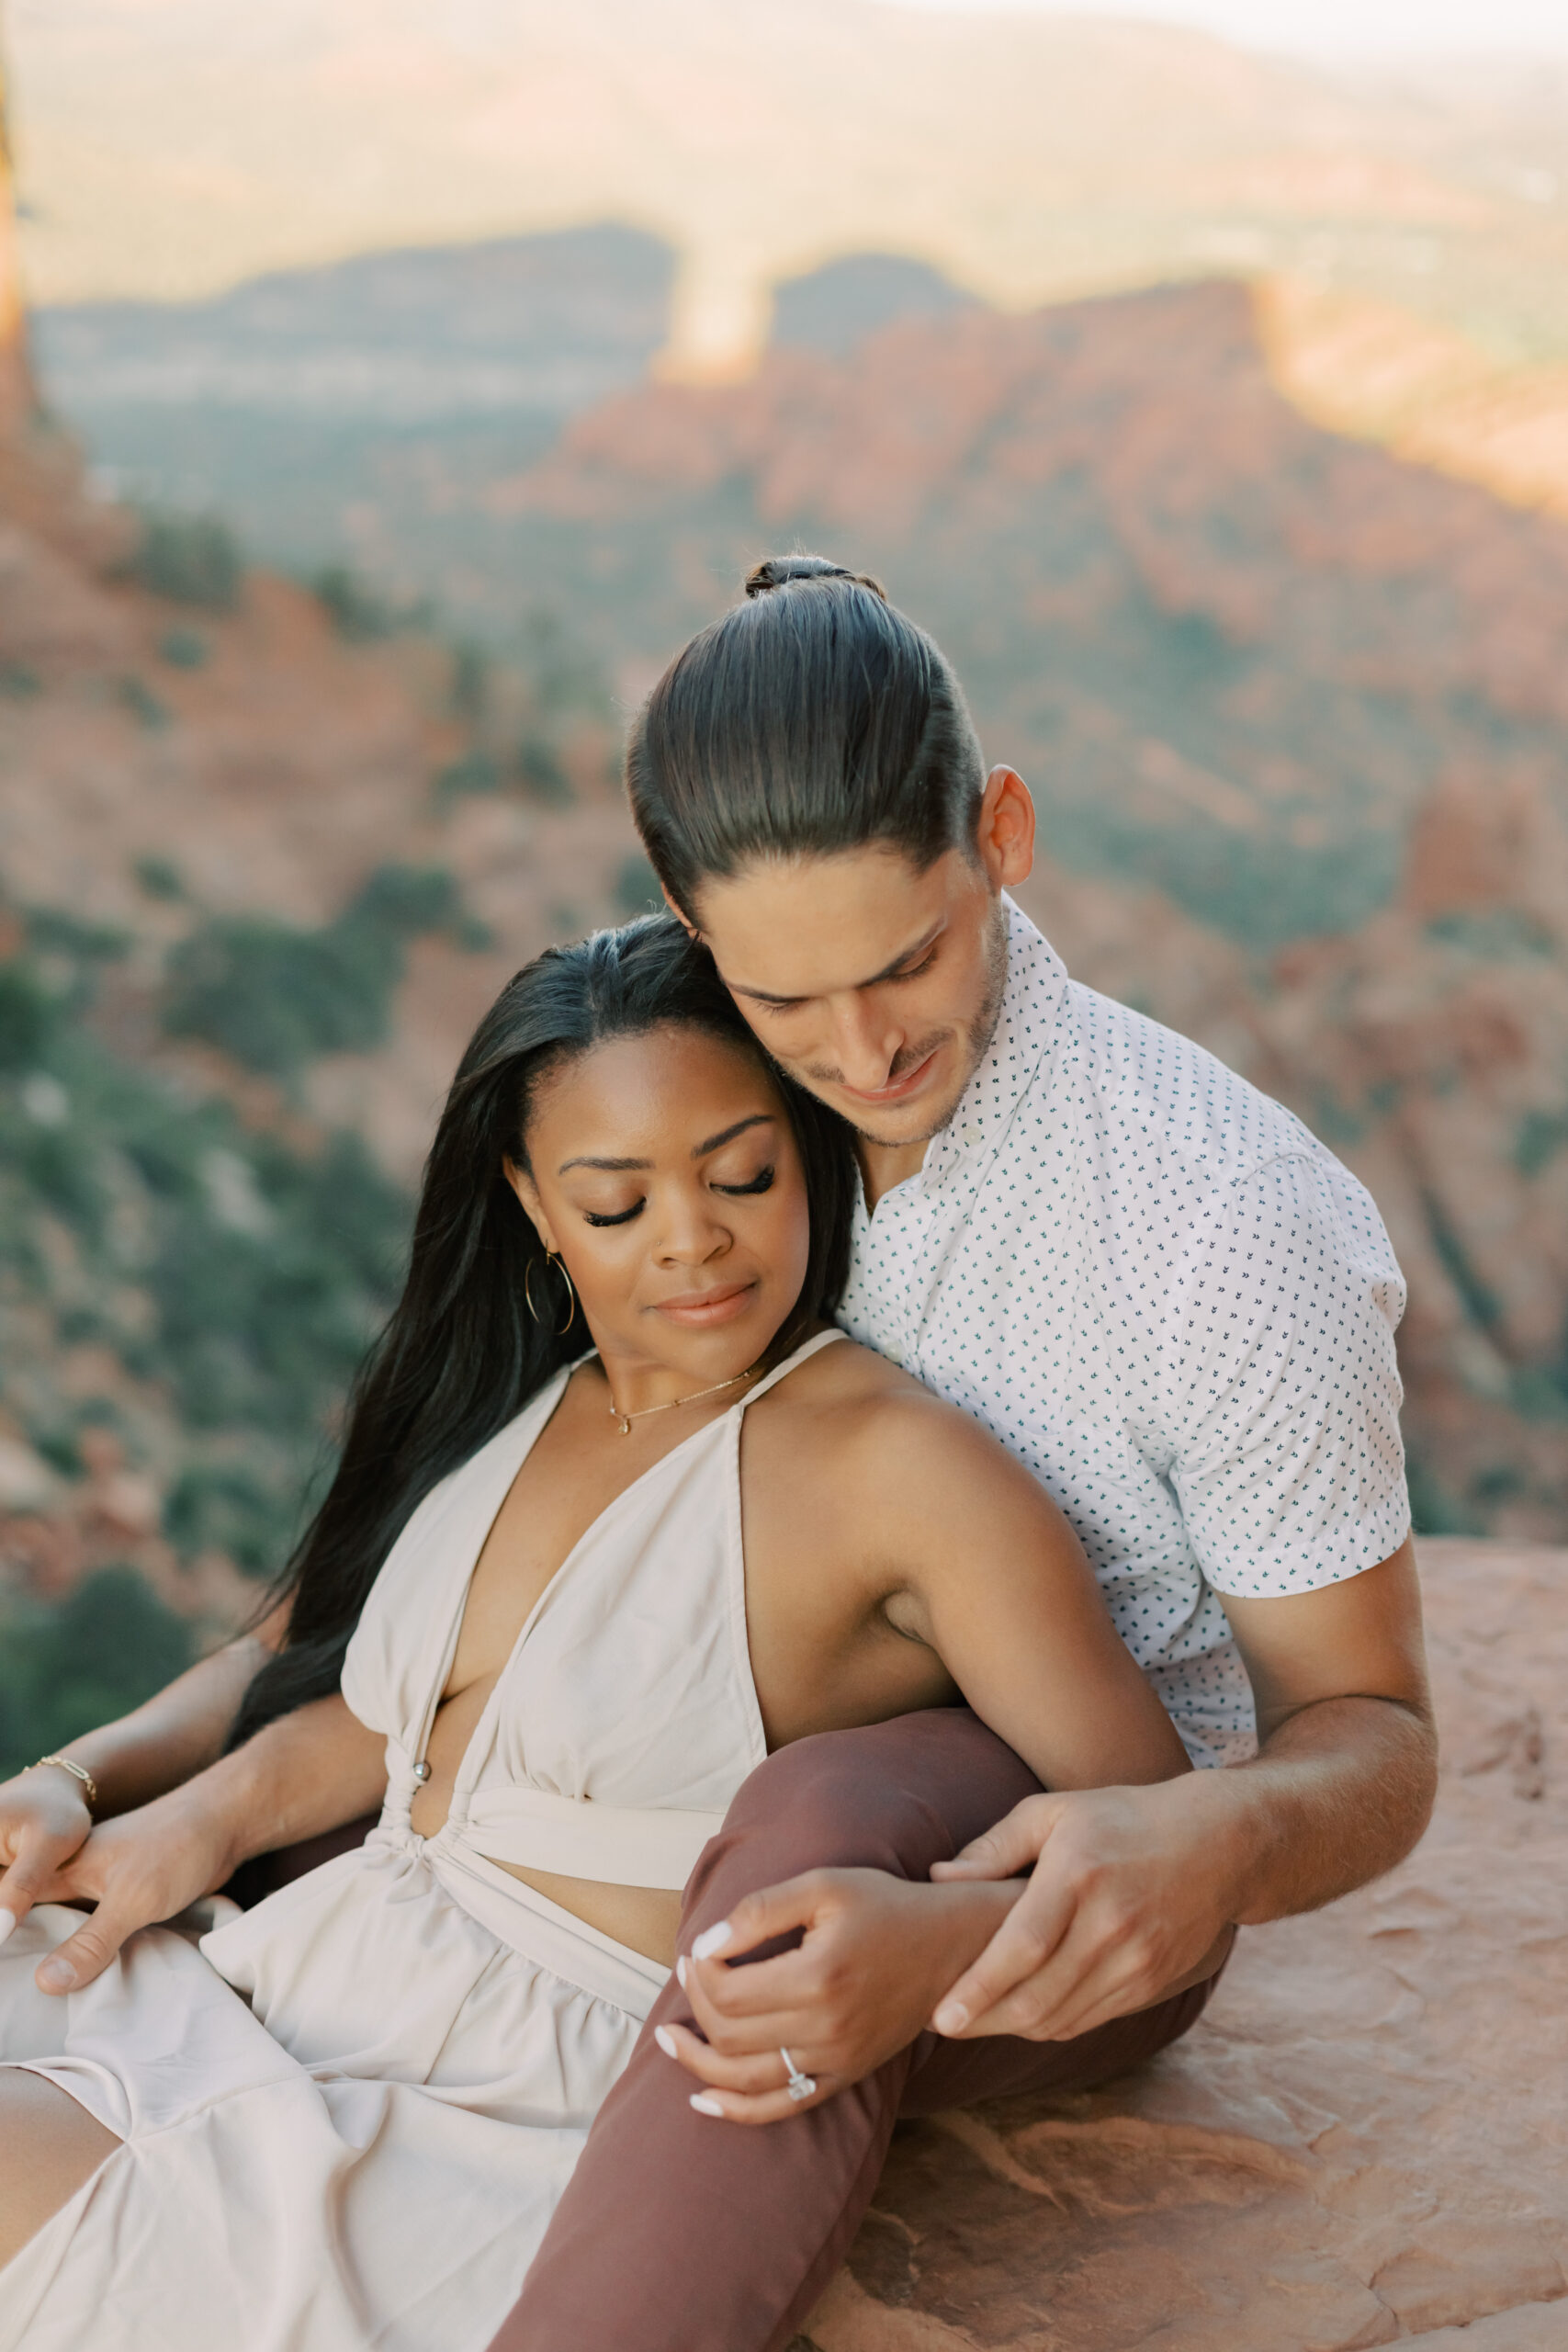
951,2017
705,2106
665,2039
681,1973
712,1940
8,1924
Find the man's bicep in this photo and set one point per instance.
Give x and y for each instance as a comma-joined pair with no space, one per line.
1358,1637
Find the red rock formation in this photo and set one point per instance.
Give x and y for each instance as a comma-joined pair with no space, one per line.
1360,2144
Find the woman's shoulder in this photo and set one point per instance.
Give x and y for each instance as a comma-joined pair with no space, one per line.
867,1419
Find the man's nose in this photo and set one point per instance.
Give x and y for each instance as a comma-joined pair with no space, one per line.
865,1040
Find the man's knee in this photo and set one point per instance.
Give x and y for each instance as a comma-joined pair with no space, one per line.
895,1796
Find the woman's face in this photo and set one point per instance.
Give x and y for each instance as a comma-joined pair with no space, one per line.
664,1169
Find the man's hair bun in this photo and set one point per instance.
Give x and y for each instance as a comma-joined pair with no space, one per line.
781,570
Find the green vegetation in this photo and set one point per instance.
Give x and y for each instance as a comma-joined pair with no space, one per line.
275,997
144,704
184,649
1434,1510
189,559
475,771
543,776
636,889
102,1650
160,877
1498,934
1541,1135
468,691
356,611
226,1282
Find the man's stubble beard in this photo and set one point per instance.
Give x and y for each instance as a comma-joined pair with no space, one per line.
978,1032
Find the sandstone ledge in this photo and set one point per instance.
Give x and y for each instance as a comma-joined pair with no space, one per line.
1363,2143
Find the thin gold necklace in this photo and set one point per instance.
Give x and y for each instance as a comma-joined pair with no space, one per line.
625,1420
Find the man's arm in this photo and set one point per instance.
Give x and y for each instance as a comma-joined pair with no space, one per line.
1132,1891
309,1771
44,1814
1131,1888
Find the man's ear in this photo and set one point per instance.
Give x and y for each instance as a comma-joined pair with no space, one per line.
1006,834
681,916
527,1192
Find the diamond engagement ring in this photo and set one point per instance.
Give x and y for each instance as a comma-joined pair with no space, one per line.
798,2085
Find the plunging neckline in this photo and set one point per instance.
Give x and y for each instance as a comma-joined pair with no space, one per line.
463,1781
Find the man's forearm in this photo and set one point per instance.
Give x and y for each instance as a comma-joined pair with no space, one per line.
1338,1793
175,1733
309,1771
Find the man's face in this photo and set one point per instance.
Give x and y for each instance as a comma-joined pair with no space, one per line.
875,986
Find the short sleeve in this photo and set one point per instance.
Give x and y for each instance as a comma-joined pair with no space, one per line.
1287,1459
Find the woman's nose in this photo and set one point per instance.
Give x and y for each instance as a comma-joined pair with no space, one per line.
691,1233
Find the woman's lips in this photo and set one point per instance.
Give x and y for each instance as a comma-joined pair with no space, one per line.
901,1087
701,1309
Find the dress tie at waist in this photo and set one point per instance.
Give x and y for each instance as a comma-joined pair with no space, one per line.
624,1845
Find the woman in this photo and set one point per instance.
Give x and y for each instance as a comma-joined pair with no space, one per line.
347,2118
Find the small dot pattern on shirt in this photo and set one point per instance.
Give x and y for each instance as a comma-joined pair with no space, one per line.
1172,1303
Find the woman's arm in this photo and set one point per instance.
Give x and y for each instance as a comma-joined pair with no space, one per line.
44,1814
990,1575
309,1771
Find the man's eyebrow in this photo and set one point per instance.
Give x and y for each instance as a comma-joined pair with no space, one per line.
888,972
714,1143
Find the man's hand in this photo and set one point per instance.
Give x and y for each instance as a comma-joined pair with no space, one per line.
310,1770
1135,1890
140,1868
1131,1898
878,1953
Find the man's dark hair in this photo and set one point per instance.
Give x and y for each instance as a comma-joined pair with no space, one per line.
814,717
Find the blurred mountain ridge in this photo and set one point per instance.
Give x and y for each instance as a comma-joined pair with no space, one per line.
1295,712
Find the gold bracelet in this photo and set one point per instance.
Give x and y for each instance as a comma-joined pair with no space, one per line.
77,1772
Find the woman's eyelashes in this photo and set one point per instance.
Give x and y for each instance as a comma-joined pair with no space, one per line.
761,1183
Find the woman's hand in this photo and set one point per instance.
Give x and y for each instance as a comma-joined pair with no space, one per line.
139,1869
878,1955
44,1820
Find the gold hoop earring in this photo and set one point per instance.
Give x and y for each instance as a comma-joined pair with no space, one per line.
558,1264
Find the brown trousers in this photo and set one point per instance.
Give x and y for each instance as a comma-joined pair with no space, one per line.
682,2233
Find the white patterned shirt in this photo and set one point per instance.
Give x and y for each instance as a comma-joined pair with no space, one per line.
1172,1303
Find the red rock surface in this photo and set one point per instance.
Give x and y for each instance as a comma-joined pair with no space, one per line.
1361,2143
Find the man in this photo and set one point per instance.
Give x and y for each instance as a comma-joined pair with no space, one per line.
1178,1308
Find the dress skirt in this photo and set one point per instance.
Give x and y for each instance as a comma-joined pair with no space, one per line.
345,2119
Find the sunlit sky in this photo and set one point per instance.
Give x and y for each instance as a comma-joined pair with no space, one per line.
1539,25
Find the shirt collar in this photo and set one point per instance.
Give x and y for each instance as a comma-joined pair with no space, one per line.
1032,998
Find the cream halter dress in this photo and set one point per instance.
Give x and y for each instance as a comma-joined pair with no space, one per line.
346,2117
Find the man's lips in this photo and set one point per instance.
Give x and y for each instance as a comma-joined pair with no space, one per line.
901,1087
701,1308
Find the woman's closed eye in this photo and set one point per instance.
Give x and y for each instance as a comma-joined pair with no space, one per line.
622,1217
761,1183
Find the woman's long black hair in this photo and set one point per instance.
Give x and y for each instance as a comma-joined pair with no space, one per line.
461,1353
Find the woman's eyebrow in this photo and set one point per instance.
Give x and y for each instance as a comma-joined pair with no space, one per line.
699,1150
728,1135
615,1167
